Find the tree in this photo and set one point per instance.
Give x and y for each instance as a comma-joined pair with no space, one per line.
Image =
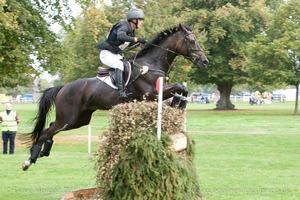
80,44
227,25
274,55
27,45
45,84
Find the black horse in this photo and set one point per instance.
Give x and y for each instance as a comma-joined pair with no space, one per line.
76,101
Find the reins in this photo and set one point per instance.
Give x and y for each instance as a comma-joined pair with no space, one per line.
139,66
166,49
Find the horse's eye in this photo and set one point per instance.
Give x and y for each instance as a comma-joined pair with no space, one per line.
192,42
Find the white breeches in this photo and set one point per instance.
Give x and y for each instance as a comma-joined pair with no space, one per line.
111,60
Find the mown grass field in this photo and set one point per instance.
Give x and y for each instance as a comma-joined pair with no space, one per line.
249,153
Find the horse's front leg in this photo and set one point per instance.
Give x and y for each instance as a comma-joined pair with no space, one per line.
179,93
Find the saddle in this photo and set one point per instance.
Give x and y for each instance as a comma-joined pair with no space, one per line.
108,75
103,73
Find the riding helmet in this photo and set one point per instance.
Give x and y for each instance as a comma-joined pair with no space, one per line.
135,14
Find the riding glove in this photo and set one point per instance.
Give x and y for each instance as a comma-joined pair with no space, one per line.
142,40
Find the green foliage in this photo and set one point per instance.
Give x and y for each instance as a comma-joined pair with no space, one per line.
228,26
228,29
45,84
275,55
19,90
56,11
148,170
27,45
133,164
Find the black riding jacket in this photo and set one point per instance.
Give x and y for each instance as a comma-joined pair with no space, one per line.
119,34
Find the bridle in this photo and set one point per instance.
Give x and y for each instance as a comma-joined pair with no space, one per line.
184,40
188,48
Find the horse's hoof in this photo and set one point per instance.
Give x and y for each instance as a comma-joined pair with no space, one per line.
26,165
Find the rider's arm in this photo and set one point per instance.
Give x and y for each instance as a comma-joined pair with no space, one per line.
123,37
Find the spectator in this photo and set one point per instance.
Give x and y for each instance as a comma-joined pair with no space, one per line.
282,98
9,120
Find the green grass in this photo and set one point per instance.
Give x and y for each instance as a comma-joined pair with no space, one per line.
249,153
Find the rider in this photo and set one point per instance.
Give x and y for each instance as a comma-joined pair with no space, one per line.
120,36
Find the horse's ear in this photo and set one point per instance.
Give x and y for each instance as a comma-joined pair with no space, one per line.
182,27
192,26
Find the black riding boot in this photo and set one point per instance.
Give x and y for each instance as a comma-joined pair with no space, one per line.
119,83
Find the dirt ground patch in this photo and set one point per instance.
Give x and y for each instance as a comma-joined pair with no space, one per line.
69,139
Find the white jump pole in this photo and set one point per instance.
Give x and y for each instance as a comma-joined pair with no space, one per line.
184,123
159,89
89,138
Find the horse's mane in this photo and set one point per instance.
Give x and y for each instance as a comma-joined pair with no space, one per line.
160,36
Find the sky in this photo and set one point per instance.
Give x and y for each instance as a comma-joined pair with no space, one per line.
75,8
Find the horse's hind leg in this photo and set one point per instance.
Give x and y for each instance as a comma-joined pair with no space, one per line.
46,140
34,154
83,119
36,151
47,147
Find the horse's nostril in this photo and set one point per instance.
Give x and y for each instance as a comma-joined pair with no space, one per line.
205,62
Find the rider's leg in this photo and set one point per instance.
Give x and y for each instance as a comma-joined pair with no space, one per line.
114,61
119,83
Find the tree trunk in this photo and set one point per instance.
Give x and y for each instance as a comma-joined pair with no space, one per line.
224,102
296,102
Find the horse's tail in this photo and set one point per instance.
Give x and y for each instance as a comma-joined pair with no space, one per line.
46,102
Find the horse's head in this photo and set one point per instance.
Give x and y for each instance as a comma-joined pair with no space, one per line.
189,47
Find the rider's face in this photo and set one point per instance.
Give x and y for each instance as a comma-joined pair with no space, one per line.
140,23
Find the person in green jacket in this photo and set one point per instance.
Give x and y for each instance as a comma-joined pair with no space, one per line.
9,120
